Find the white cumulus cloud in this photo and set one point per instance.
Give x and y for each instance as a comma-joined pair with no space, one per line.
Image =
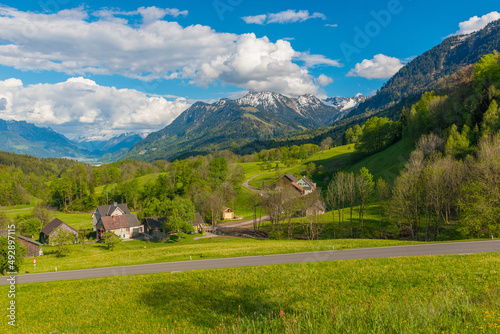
287,16
312,60
476,23
79,106
323,80
78,42
380,67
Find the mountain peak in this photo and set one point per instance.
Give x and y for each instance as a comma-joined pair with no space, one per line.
345,103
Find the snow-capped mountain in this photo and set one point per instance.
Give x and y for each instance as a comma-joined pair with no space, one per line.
307,107
205,127
345,104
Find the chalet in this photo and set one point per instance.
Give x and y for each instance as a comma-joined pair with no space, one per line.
108,211
198,222
307,185
50,230
228,213
153,225
125,226
288,180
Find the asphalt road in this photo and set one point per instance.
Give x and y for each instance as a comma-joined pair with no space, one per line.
350,254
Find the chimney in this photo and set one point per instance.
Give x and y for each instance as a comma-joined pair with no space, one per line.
115,204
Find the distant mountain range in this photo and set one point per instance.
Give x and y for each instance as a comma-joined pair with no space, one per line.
25,138
230,123
425,71
100,145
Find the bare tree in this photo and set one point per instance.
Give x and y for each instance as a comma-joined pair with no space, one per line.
364,186
406,203
430,143
383,190
313,226
273,205
332,201
350,192
435,187
44,214
214,204
292,204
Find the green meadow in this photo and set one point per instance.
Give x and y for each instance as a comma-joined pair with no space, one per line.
97,255
428,294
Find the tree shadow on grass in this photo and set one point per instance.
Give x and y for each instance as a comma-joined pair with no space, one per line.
207,304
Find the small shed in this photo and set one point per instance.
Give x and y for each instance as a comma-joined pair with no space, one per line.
153,224
50,228
228,213
32,247
198,222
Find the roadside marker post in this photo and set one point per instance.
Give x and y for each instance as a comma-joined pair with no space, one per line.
34,265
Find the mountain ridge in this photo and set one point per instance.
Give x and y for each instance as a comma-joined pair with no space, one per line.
204,127
424,72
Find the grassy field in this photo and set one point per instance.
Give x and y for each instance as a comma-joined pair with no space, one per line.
76,220
329,159
97,255
141,181
242,203
431,294
387,163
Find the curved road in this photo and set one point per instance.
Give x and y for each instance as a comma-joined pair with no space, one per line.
249,187
350,254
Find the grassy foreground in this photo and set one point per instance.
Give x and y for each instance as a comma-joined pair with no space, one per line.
432,294
141,252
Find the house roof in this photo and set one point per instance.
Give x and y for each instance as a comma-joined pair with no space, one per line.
132,220
228,209
29,240
297,187
50,227
106,210
154,222
122,221
309,182
5,233
199,219
114,222
291,178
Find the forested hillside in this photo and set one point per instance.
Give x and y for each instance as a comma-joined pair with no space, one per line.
425,71
453,175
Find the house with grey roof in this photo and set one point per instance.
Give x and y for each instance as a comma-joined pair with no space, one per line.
108,211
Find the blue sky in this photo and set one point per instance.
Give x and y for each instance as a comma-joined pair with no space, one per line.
157,57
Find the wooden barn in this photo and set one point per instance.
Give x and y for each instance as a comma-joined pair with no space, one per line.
51,228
